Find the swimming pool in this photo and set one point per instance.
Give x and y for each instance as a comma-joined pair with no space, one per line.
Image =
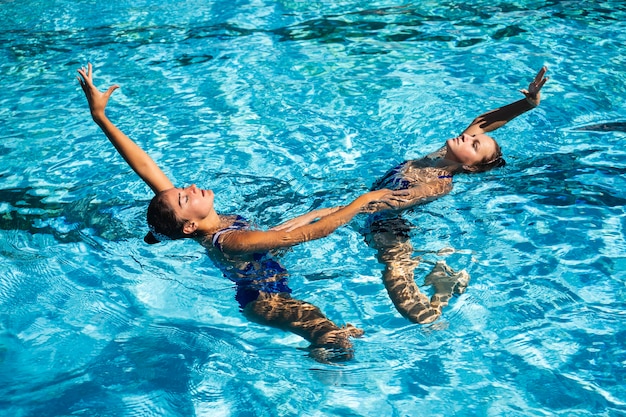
285,106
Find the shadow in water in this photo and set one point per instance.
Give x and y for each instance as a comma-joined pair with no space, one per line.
604,127
564,179
29,209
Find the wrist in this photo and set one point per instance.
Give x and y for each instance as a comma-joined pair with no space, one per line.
98,116
532,103
533,99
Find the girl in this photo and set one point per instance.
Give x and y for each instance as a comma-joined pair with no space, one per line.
246,256
424,180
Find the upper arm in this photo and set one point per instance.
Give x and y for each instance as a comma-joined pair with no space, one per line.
495,119
248,241
156,179
475,127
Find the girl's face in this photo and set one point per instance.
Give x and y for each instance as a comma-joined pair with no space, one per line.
470,150
190,203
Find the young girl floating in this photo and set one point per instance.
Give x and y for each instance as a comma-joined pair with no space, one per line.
243,254
426,179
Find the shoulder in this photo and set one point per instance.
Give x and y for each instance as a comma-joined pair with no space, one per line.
416,174
231,224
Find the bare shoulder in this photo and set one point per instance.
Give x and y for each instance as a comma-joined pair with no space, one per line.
416,174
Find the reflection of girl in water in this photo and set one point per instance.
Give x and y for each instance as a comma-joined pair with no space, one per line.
245,255
424,180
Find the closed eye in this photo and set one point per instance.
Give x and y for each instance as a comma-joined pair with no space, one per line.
182,199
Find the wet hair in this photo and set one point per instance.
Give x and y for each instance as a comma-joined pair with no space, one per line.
495,160
162,220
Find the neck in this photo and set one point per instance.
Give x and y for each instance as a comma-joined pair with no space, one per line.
210,224
449,165
449,156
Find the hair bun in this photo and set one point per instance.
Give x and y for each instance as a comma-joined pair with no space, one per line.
150,239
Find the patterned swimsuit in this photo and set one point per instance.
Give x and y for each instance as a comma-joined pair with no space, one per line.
407,174
258,272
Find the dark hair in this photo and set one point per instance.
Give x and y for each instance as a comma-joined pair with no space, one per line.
495,160
162,221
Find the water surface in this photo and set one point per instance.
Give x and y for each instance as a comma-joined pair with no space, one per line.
281,107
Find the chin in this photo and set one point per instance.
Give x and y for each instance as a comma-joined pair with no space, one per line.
450,153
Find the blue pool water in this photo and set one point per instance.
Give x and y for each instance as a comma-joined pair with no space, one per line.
281,107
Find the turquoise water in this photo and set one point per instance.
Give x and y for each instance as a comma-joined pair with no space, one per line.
281,107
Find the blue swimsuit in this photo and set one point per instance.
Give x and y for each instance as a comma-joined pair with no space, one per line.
403,176
409,173
260,274
394,179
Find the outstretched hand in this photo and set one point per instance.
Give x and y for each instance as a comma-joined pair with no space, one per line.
533,94
97,100
384,200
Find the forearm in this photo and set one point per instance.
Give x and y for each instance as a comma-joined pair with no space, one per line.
305,219
262,241
137,158
328,223
497,118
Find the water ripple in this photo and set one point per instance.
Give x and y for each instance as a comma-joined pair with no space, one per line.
287,107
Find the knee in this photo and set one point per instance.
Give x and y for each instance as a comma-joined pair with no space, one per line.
423,314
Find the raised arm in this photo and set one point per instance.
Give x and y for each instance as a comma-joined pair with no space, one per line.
497,118
246,241
136,157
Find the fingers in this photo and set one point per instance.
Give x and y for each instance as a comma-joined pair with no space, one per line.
542,82
540,74
86,73
111,90
283,226
287,226
84,79
535,86
540,78
400,193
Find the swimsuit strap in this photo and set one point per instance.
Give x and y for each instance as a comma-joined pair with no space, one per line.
393,179
240,223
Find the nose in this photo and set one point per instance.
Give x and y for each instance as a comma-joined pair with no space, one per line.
193,188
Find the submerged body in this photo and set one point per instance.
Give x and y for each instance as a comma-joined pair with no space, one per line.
264,297
389,233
